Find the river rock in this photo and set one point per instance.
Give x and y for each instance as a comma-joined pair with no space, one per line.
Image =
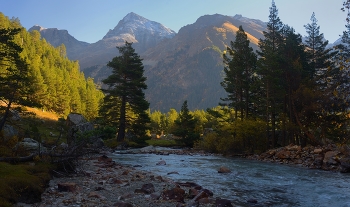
252,200
318,161
283,154
205,201
292,147
148,188
329,159
224,170
176,194
104,158
317,151
67,187
148,149
94,194
122,204
162,162
219,202
345,165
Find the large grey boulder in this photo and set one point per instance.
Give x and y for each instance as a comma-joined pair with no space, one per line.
77,124
31,145
9,132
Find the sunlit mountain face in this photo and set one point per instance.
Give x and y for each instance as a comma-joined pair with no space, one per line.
179,66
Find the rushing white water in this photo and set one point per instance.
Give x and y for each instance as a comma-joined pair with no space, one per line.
267,183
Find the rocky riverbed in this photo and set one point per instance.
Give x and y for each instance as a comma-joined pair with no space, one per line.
103,182
100,181
329,157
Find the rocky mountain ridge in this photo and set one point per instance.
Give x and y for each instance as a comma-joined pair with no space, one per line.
178,67
57,37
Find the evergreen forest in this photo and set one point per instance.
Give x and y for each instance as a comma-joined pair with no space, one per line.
56,83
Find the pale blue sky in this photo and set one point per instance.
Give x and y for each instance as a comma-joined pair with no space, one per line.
90,20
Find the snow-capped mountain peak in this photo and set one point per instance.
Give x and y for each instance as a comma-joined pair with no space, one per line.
138,26
37,27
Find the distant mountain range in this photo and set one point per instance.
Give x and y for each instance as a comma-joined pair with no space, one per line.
179,66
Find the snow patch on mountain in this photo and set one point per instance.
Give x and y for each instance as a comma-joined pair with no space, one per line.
139,26
37,27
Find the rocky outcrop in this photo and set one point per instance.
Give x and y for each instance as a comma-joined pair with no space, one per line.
329,157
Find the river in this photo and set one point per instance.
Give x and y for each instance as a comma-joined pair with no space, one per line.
270,184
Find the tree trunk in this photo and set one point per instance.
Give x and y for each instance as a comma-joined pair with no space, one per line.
305,131
267,117
122,119
7,113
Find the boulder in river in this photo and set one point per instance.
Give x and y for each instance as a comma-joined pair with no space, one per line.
162,162
224,170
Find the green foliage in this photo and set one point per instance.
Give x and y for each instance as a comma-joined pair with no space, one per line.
111,143
209,143
106,132
162,142
185,127
245,136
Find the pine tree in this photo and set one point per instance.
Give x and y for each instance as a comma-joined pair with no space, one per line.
319,57
326,78
185,127
295,75
14,74
240,64
270,69
125,87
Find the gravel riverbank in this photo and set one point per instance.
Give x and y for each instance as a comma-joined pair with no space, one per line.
103,182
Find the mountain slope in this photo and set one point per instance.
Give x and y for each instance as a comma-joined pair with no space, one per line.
178,67
132,28
189,66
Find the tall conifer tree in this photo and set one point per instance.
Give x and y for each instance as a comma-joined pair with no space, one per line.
125,87
270,68
240,61
319,57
